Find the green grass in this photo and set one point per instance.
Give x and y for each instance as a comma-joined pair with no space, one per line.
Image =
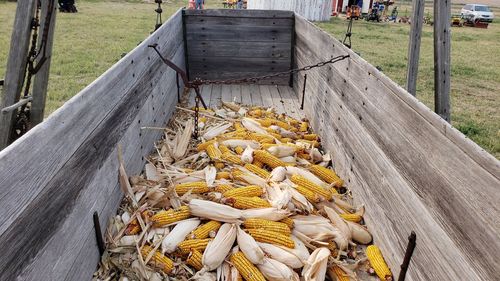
89,42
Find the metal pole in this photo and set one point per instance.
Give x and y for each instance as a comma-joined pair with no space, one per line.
412,243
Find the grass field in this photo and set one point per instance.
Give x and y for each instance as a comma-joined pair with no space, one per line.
89,42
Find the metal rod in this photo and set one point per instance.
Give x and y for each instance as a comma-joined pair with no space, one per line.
2,82
178,87
303,92
98,234
20,103
412,243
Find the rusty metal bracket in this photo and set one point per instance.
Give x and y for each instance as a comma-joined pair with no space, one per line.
412,243
189,84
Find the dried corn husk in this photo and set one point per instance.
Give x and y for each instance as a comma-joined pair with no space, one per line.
315,267
183,141
178,234
274,270
217,249
247,155
281,255
271,214
214,211
359,233
282,150
233,143
249,247
278,174
253,126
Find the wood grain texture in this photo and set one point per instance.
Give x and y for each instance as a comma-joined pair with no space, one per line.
442,59
231,44
314,10
414,46
81,138
16,66
426,179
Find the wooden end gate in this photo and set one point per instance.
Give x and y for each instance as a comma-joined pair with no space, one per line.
412,170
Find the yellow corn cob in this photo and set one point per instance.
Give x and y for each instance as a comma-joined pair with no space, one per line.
308,194
288,221
232,158
247,191
237,175
282,124
377,262
133,228
224,149
265,122
256,112
246,268
293,121
258,163
327,175
250,202
194,260
340,274
158,260
261,138
271,237
203,119
311,137
258,171
311,143
268,159
193,244
239,150
202,146
213,152
293,129
196,187
163,218
267,225
223,175
333,190
219,165
223,188
304,126
276,135
302,181
204,230
286,140
351,217
303,155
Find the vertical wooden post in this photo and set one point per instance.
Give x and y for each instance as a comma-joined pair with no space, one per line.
442,48
16,66
42,76
417,22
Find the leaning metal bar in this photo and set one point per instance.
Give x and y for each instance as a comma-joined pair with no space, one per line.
303,92
20,103
412,243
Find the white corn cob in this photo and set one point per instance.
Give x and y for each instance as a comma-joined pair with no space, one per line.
178,234
271,214
215,131
315,267
274,270
281,255
233,143
249,247
214,211
217,249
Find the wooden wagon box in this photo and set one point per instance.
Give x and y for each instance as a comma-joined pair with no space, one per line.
411,169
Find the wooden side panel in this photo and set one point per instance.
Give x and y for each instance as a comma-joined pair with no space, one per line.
313,10
69,165
410,169
233,44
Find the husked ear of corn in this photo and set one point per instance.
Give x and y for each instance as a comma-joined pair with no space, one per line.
224,149
158,260
250,202
232,158
327,175
267,225
258,171
194,260
223,188
302,181
202,146
204,231
239,150
311,137
196,187
246,268
213,152
163,218
271,237
288,221
338,273
258,163
268,159
193,244
223,175
247,191
304,126
308,194
377,262
133,228
219,165
351,217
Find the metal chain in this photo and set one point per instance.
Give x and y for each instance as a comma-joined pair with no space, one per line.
199,82
348,34
158,11
196,116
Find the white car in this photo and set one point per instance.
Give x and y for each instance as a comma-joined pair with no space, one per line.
478,12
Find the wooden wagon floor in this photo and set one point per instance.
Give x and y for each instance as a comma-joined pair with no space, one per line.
282,98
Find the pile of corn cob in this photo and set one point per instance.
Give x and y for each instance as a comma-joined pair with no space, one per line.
252,199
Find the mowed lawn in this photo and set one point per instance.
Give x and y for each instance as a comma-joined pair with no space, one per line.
89,42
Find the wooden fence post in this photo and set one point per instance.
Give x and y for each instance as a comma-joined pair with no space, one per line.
442,48
41,79
417,21
16,66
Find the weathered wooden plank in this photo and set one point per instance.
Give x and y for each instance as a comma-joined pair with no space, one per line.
216,96
276,98
376,103
84,120
206,92
265,95
235,20
240,33
239,49
241,13
255,95
236,93
414,46
226,94
41,80
16,66
234,64
246,96
222,75
442,59
289,101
